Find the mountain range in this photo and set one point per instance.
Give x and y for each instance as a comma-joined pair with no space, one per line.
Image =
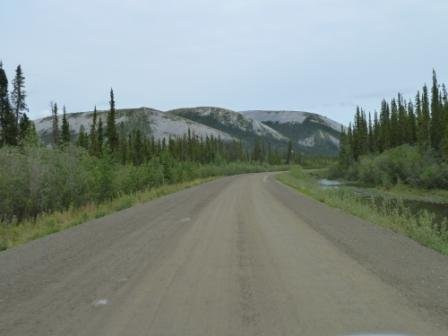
309,132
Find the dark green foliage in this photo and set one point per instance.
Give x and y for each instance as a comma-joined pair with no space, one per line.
436,123
401,125
404,164
93,136
100,137
18,94
111,127
83,139
424,138
8,124
65,130
24,127
55,125
36,180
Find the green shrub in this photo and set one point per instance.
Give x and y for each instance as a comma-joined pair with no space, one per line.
405,164
36,180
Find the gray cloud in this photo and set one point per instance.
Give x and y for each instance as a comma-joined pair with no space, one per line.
288,54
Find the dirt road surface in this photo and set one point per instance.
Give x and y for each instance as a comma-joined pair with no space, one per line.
241,255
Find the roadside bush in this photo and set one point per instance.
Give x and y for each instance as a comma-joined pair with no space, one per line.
37,180
404,164
434,176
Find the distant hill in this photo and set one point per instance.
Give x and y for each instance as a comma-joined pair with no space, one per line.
310,133
230,122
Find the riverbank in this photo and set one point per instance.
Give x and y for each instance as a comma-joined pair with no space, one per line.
391,213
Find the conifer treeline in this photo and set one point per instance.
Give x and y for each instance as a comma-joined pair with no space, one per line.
422,122
15,126
137,148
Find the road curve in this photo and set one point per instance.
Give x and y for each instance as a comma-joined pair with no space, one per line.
241,255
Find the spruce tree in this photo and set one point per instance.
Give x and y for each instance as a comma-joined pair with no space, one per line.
402,121
370,135
83,140
18,95
345,152
395,129
385,138
30,137
376,132
65,132
425,121
411,125
436,123
8,126
137,148
257,151
55,125
93,137
24,127
100,137
111,128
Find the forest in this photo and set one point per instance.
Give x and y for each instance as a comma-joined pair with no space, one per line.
103,162
405,143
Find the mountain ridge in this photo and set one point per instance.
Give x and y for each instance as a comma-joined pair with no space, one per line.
310,133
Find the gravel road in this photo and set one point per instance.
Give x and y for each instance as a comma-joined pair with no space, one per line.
241,255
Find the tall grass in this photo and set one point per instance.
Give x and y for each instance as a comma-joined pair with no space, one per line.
45,224
390,214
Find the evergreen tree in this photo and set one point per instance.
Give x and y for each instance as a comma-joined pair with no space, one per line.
345,152
124,149
83,139
424,138
100,137
402,121
436,122
18,95
411,125
257,151
137,148
29,136
65,133
384,133
424,123
360,134
376,132
111,128
371,144
24,127
93,136
8,126
55,125
395,129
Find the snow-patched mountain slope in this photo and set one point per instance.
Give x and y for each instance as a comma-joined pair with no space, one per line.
231,122
291,117
317,139
311,133
150,121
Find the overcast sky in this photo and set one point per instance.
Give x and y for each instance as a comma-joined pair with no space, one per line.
324,56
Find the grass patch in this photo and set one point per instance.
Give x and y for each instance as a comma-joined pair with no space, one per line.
16,234
392,215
